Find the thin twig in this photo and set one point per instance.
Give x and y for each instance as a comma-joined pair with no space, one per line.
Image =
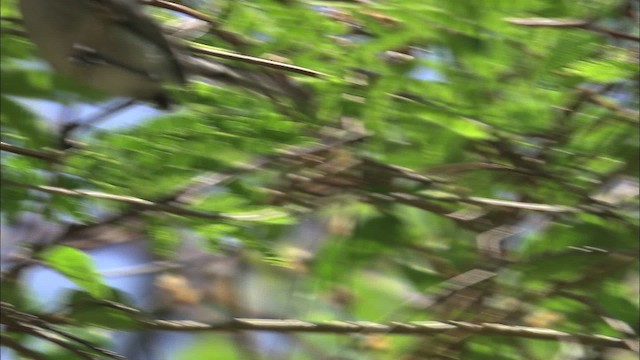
20,349
476,200
103,352
169,5
68,145
571,23
37,332
140,203
50,156
201,49
550,208
37,326
630,116
228,36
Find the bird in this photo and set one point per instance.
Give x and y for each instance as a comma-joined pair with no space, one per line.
116,47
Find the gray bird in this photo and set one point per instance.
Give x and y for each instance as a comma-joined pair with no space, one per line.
114,46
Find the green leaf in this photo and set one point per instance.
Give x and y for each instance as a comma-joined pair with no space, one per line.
422,277
602,71
112,313
384,229
165,238
12,292
78,267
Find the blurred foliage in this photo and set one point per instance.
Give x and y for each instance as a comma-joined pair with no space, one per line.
467,123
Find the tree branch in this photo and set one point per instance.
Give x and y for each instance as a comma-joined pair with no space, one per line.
571,23
228,36
23,351
140,203
199,185
398,328
205,50
36,154
169,5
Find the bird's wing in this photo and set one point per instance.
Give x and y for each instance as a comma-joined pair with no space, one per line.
129,14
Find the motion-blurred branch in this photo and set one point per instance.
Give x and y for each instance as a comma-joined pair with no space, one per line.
357,327
571,23
24,351
20,321
140,203
199,185
410,328
629,116
216,28
206,50
36,154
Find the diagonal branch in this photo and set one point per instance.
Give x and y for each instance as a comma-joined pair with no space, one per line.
140,203
170,5
571,23
49,156
228,36
20,349
206,50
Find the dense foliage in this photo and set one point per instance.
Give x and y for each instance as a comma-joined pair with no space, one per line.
471,161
